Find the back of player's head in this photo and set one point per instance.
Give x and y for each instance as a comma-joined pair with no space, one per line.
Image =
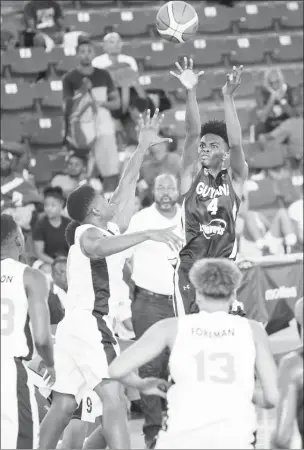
79,202
216,279
217,127
9,229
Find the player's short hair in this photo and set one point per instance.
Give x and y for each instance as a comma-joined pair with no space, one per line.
8,228
79,202
217,127
55,192
215,278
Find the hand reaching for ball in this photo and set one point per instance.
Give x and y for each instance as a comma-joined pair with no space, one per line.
233,80
187,76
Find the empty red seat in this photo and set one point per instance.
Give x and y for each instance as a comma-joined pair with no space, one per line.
63,59
293,77
162,55
45,131
12,128
50,94
26,61
292,15
162,81
16,96
46,163
256,17
247,50
129,23
288,48
174,121
207,52
215,19
261,194
92,23
245,89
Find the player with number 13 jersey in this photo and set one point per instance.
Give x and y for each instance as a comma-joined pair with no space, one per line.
211,192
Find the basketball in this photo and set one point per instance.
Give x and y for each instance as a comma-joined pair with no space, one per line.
177,22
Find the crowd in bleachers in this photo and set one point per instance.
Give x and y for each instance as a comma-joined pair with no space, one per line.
39,47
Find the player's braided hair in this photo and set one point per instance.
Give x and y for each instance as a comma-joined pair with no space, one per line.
217,127
8,228
78,205
215,278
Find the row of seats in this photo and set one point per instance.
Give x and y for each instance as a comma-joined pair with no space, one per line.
157,55
212,19
20,96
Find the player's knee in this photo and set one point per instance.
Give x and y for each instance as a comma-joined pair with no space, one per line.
112,396
66,404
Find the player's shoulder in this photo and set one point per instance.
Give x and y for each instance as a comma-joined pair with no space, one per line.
258,331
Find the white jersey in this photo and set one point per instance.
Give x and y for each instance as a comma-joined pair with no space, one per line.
212,364
16,340
94,285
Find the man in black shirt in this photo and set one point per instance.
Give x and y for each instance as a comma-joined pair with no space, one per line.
90,96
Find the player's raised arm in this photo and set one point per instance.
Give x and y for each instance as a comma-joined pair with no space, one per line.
123,197
237,158
37,294
95,245
189,166
150,345
267,395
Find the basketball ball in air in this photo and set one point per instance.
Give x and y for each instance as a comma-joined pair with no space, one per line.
177,22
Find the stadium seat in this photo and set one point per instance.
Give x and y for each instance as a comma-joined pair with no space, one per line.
92,23
26,62
12,129
45,164
218,114
256,17
63,60
261,194
288,49
174,121
162,55
45,131
215,19
207,52
246,88
245,50
293,77
16,97
130,23
292,15
50,94
163,81
259,158
98,3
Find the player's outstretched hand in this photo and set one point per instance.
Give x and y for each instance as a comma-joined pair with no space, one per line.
49,376
233,80
167,236
154,386
149,128
186,75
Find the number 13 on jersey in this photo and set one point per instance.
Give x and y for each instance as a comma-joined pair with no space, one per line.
213,206
216,367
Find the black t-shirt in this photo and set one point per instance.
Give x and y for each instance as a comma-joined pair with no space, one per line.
99,78
53,238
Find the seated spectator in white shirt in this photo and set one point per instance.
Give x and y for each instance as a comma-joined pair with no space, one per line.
112,45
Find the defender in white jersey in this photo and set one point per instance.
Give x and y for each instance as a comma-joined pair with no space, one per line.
85,341
214,356
24,295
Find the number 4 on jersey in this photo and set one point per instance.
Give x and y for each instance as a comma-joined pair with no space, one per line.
213,206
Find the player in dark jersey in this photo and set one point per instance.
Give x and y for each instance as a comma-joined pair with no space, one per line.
290,407
211,193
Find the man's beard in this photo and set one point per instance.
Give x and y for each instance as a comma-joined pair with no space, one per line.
165,205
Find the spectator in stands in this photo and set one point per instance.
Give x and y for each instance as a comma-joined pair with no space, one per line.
90,96
112,45
161,159
75,174
49,232
290,132
295,213
275,101
43,18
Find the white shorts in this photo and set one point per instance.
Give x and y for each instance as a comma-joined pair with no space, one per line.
215,437
19,409
81,358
